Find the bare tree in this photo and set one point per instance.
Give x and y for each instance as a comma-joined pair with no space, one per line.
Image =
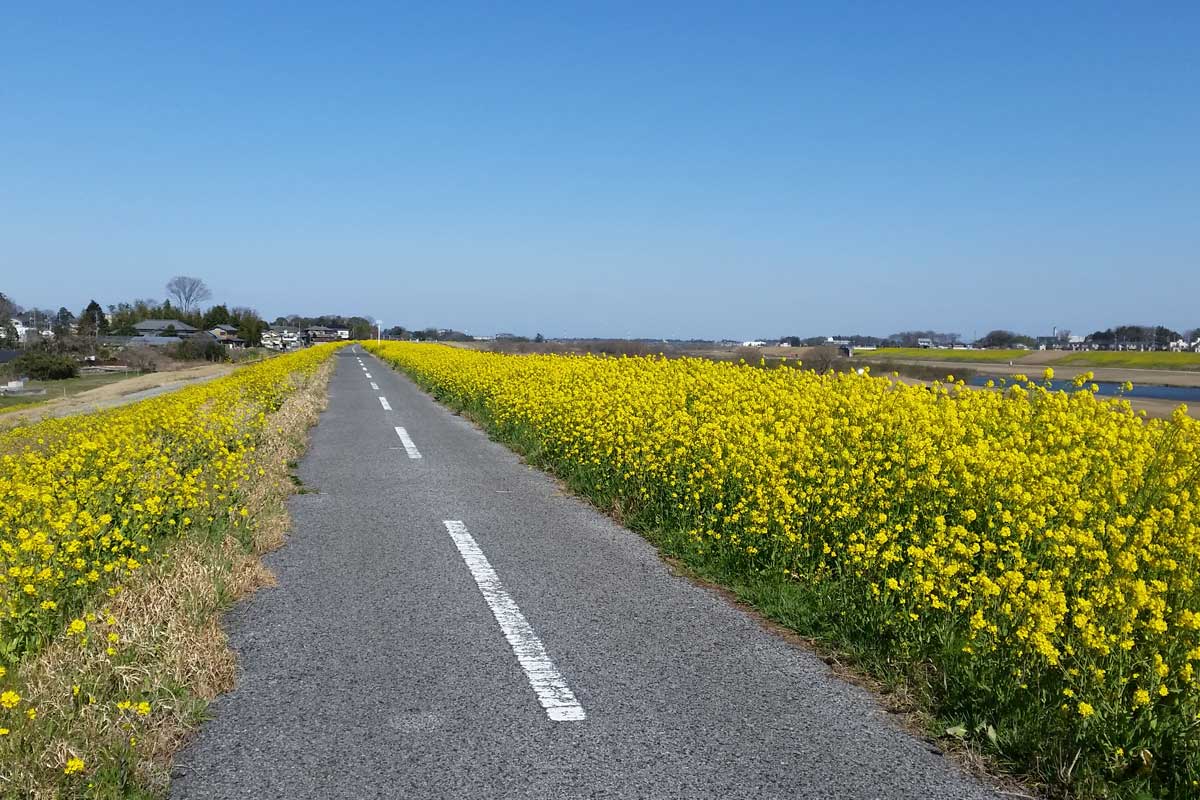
188,292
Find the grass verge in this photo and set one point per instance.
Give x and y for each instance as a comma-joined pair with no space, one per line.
926,354
113,703
1132,360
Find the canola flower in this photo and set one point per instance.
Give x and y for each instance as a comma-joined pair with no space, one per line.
86,500
1040,549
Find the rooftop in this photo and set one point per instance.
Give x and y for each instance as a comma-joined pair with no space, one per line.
162,324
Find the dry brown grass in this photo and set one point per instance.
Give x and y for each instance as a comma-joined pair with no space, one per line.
170,649
111,395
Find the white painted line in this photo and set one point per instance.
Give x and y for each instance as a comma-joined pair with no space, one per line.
550,686
374,385
407,441
383,402
368,375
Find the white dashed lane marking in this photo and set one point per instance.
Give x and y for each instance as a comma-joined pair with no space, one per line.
551,688
407,441
383,402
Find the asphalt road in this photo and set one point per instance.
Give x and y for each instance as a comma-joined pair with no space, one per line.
531,648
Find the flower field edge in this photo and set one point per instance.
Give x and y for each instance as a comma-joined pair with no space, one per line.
100,708
1023,566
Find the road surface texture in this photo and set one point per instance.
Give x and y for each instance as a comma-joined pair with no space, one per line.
448,623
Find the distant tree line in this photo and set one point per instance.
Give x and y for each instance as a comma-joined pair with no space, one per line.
1147,337
429,334
1005,340
72,331
1140,336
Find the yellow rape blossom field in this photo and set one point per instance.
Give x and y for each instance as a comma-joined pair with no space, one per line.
1027,560
90,506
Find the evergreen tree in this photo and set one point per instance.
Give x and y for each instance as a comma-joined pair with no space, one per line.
62,323
217,315
92,321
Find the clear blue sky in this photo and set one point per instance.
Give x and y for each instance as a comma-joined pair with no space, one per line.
675,170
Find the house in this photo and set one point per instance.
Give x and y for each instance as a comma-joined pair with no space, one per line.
163,327
227,335
754,343
925,343
343,333
281,338
22,330
319,333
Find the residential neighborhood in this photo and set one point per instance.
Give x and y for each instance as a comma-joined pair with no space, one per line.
281,338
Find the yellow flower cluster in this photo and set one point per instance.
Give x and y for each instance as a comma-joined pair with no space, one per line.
1034,546
86,500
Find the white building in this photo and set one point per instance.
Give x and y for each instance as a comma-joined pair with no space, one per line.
281,339
754,344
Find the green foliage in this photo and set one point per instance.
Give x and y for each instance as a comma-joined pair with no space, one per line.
1001,339
217,315
197,348
62,323
249,327
43,366
92,321
126,315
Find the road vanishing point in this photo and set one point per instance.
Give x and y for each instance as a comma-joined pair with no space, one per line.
450,623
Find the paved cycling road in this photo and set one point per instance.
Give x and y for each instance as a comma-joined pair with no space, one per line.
449,623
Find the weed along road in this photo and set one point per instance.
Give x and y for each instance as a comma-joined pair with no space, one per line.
449,623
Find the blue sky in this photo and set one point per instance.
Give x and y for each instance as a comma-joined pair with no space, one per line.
675,170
